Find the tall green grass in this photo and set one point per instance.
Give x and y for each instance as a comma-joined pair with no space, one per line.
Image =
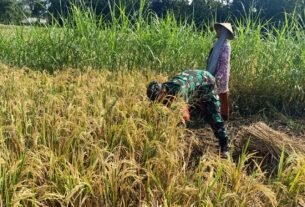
268,70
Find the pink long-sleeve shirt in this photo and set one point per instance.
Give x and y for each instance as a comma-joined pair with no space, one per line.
222,75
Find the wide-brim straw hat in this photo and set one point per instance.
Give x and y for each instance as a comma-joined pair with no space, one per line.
228,26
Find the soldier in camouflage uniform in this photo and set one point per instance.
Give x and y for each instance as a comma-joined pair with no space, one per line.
197,87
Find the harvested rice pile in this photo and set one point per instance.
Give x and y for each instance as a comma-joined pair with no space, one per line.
268,143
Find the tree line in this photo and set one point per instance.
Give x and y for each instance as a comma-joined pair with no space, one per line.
199,11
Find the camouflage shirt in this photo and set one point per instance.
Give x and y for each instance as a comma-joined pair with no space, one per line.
191,84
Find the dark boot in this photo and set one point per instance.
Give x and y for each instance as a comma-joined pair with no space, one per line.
224,149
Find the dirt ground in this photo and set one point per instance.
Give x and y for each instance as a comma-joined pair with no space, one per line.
294,129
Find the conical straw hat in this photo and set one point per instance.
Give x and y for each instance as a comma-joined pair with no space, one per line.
228,26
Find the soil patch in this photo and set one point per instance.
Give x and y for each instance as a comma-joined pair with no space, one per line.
265,139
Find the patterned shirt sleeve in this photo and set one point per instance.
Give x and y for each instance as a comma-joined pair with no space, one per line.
223,69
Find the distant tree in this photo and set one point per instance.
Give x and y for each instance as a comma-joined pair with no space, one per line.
101,7
37,8
182,9
199,11
11,11
59,9
204,10
6,9
268,9
160,7
275,8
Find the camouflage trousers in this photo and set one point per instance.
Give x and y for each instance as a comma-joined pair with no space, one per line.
209,110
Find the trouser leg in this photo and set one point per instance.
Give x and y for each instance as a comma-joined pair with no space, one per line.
224,109
211,110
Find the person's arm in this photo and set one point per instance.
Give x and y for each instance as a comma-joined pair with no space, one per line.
186,113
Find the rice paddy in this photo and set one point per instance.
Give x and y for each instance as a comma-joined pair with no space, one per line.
76,128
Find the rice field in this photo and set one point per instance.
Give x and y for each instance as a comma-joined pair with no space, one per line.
91,138
77,129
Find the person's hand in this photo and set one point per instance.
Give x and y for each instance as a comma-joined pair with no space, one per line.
186,114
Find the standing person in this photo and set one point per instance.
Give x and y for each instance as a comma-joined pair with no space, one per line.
196,87
219,64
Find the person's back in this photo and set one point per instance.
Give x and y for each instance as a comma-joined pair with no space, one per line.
189,82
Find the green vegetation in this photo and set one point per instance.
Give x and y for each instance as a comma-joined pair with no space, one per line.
267,63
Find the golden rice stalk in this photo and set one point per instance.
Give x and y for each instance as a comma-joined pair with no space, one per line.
267,142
